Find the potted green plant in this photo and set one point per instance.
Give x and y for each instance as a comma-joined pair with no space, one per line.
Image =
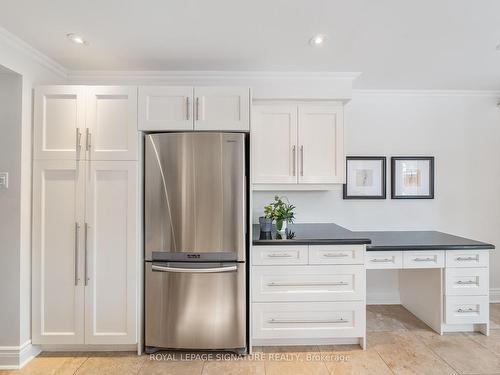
281,211
266,221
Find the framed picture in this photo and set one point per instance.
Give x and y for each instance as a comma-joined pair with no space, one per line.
365,177
412,177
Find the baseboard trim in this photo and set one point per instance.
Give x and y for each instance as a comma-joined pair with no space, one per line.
494,295
383,299
89,348
15,357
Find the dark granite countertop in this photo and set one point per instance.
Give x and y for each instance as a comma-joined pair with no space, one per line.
332,234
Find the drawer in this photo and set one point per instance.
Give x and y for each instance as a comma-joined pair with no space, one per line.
308,283
466,309
467,258
383,259
466,281
336,254
303,320
423,259
269,255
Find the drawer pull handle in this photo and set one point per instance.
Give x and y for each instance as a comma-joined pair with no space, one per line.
313,283
279,255
468,282
333,255
423,259
469,310
461,259
385,260
278,321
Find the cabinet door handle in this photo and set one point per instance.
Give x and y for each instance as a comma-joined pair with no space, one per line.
301,160
468,310
78,139
187,108
88,139
294,160
341,320
468,282
86,257
312,283
199,109
335,255
77,235
461,259
279,255
385,260
423,259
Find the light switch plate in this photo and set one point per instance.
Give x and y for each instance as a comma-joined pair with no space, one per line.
4,180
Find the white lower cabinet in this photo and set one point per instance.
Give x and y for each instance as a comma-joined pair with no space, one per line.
298,302
304,320
85,252
466,309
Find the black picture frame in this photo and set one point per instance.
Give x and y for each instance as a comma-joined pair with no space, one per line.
383,179
431,177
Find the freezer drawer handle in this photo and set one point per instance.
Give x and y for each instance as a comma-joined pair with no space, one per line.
341,320
313,283
194,270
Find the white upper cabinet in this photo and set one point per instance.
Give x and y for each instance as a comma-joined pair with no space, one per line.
321,144
58,252
274,144
59,122
165,108
112,261
85,122
298,144
111,123
222,108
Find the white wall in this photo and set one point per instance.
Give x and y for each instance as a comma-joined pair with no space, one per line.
461,130
15,243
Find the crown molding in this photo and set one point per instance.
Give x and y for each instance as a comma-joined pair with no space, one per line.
428,92
33,53
193,75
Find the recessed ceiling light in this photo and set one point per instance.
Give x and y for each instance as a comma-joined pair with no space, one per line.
317,40
77,39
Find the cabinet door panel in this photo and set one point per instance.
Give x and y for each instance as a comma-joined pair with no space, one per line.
222,108
112,123
274,144
59,122
111,217
165,108
58,294
321,144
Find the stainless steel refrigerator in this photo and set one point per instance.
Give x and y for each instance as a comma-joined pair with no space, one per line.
195,241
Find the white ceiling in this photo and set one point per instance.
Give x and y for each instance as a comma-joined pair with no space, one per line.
396,44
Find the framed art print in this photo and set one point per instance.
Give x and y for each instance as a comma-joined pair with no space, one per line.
365,177
412,177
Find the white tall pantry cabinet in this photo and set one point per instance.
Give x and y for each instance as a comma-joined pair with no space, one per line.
85,216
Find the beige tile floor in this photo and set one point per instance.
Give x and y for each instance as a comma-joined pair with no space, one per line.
398,343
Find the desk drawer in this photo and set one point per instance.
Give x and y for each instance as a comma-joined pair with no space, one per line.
383,259
467,281
308,283
336,254
269,255
303,320
423,259
467,258
466,309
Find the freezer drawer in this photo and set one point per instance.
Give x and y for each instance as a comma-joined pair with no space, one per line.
195,308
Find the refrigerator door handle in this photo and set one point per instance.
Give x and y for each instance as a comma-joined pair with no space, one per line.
157,268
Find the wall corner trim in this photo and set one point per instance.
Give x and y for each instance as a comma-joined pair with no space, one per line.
15,357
